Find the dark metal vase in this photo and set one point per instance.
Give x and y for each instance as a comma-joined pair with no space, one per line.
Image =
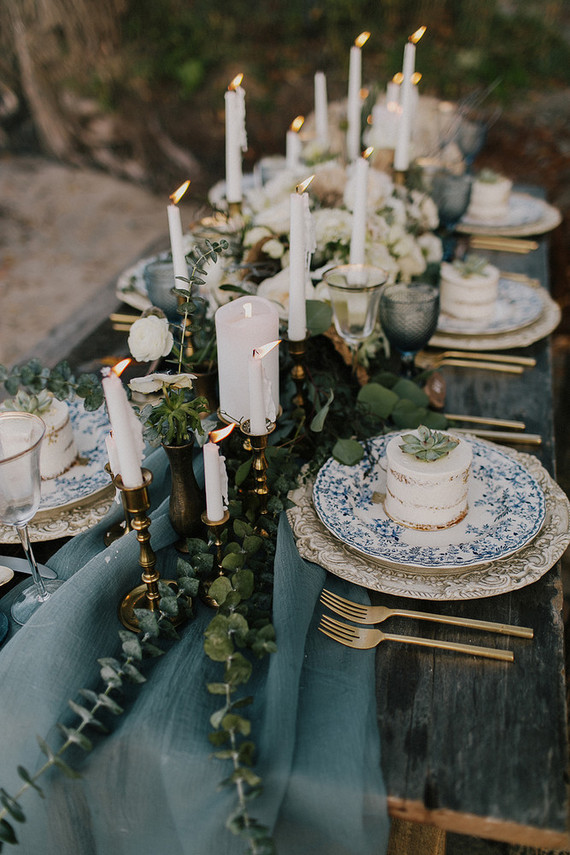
187,500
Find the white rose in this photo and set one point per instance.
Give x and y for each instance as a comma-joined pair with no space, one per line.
276,290
255,234
411,264
154,382
150,338
431,247
273,248
277,218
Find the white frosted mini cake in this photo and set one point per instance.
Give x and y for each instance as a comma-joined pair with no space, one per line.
427,494
490,195
58,450
468,289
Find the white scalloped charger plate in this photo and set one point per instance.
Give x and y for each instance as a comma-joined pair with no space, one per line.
506,511
517,306
526,215
315,543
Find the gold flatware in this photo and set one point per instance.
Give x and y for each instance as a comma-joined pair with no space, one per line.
520,277
119,318
121,327
486,420
364,639
377,614
465,362
525,361
504,436
502,244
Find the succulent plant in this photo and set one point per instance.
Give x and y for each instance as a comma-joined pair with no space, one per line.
472,265
489,176
428,445
28,403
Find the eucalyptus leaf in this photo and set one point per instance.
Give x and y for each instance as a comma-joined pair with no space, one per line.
12,806
7,833
237,723
220,588
406,388
233,561
380,400
348,451
406,414
76,737
27,778
238,670
319,317
243,581
318,421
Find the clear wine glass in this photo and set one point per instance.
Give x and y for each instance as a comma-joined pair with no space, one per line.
354,292
21,436
409,315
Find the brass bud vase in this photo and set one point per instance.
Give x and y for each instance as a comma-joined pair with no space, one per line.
187,500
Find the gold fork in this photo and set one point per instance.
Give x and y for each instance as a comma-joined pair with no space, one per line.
376,614
364,639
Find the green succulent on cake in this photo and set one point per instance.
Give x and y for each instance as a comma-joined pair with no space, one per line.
24,402
489,176
472,265
428,445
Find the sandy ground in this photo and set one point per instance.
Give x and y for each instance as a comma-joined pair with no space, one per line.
65,236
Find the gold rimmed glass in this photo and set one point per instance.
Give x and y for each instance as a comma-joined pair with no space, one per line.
21,437
354,292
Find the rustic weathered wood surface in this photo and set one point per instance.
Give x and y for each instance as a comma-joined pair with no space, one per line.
469,745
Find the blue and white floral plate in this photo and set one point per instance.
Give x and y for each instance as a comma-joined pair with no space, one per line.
527,215
517,306
506,511
87,477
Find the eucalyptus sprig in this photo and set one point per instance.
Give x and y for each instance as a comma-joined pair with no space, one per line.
91,711
32,378
197,258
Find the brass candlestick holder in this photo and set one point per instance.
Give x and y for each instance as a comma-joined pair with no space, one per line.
119,529
258,489
215,529
145,596
399,177
297,351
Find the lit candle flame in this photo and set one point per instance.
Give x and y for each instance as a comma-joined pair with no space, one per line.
361,39
367,152
236,82
260,352
221,433
398,78
416,77
369,119
297,124
300,188
415,37
178,194
364,94
120,366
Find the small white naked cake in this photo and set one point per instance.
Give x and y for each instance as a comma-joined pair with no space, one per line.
490,196
468,290
427,479
58,450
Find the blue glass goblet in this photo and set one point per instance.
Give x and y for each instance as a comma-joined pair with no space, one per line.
409,315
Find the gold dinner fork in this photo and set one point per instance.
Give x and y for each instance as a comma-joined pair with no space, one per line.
364,639
376,614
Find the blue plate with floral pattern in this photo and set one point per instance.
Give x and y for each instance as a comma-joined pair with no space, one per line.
506,511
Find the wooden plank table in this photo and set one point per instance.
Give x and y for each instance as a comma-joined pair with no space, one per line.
468,746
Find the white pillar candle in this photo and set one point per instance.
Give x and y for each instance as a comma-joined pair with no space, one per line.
236,139
126,428
257,414
321,109
241,326
297,327
402,152
358,236
214,468
177,246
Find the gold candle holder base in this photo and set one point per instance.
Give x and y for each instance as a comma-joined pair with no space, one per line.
297,351
119,529
258,489
399,177
215,529
145,596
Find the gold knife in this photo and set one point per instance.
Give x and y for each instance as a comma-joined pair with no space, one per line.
504,436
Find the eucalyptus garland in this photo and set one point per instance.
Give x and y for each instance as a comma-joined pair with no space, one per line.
338,418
